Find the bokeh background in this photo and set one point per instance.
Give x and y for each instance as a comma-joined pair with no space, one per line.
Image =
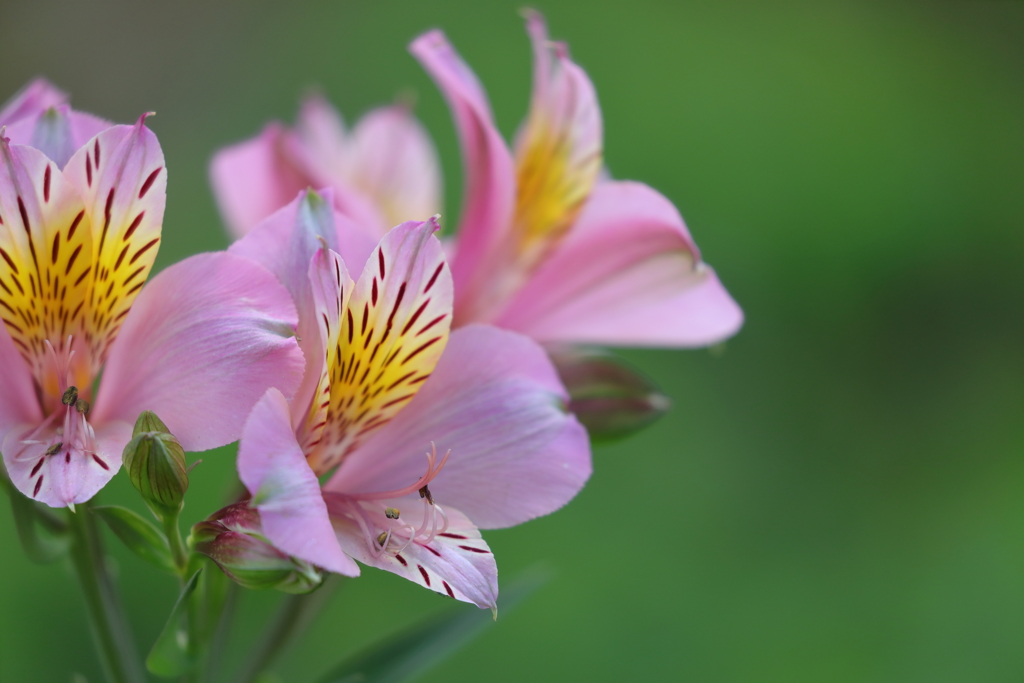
837,494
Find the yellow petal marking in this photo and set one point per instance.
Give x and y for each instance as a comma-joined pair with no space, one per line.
550,189
391,336
332,289
45,265
121,176
558,153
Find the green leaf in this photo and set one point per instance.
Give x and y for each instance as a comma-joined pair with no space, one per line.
410,653
30,519
140,535
171,655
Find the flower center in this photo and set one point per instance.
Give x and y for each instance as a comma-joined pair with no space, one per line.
75,433
384,527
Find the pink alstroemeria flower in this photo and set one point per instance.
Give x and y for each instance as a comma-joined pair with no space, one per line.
379,394
548,247
547,244
384,172
39,116
198,345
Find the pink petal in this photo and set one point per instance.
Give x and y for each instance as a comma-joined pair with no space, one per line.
284,243
57,132
563,96
18,402
457,563
205,339
253,179
67,477
285,490
30,101
496,401
559,149
628,273
331,290
394,330
321,131
121,176
489,191
43,230
322,149
286,240
393,161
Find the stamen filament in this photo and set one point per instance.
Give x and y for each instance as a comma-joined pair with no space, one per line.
432,472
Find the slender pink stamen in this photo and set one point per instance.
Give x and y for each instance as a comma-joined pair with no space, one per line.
431,516
360,518
407,528
420,483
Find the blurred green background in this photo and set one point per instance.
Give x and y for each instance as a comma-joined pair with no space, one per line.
839,496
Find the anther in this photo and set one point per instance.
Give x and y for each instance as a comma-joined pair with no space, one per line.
382,538
392,513
70,396
55,448
425,493
82,406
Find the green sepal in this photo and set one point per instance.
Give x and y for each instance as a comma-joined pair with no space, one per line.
30,519
608,396
408,654
171,655
140,535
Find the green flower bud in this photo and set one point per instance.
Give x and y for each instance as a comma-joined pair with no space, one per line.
233,538
610,399
156,465
149,422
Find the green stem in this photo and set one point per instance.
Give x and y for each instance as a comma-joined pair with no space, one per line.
219,638
193,607
110,628
293,617
194,613
178,551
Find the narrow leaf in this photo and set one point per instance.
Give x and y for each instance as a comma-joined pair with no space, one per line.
410,653
140,535
170,655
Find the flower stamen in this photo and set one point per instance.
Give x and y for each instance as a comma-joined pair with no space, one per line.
421,483
360,509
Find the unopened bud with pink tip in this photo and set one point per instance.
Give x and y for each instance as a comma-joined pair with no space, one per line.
610,398
233,538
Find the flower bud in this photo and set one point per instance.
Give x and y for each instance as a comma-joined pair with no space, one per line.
156,465
610,399
233,538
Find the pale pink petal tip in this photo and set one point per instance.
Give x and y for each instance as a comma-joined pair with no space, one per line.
35,98
628,274
285,490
